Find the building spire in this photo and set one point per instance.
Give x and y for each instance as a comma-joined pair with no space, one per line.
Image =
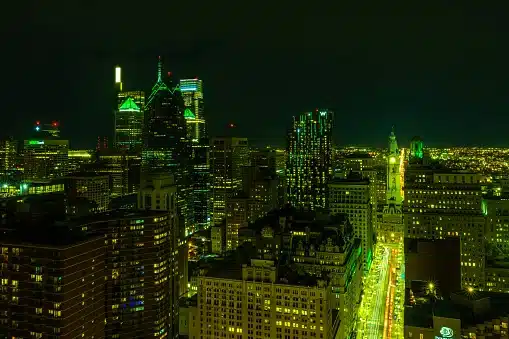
393,144
159,69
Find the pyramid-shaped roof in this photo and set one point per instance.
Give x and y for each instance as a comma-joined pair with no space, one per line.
188,114
129,105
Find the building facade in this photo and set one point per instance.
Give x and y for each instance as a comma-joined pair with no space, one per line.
192,93
309,164
441,204
352,198
52,286
45,159
166,148
257,303
228,155
129,122
93,187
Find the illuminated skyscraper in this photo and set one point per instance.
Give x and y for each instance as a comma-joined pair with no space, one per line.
45,159
129,123
227,157
192,92
129,109
309,159
8,157
166,149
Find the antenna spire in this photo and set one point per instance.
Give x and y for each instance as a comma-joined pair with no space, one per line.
159,69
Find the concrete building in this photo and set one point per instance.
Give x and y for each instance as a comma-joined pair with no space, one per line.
228,155
257,300
441,204
52,284
352,197
91,186
467,314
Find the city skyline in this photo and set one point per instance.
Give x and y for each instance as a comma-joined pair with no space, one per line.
378,71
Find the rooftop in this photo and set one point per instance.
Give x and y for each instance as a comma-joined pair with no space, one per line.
230,267
117,214
471,308
129,105
55,236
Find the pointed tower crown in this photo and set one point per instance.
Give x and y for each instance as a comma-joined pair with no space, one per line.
129,105
393,144
160,70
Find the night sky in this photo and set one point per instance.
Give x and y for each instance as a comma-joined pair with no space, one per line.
440,73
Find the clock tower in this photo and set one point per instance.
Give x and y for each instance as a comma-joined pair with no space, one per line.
393,172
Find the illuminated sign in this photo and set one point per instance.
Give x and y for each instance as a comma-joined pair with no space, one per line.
35,142
117,75
445,333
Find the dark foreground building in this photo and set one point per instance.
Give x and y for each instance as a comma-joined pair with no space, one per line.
52,284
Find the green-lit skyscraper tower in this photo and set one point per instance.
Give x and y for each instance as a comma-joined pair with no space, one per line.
192,93
309,166
166,149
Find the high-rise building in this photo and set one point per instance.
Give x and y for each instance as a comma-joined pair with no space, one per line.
53,282
496,211
228,155
442,204
352,197
166,149
309,165
93,187
129,122
142,286
78,158
200,185
45,159
192,92
8,158
158,193
239,210
128,115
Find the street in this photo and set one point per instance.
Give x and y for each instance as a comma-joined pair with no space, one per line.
380,311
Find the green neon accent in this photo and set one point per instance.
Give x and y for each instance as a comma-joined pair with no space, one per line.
484,207
129,105
35,142
160,85
188,114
